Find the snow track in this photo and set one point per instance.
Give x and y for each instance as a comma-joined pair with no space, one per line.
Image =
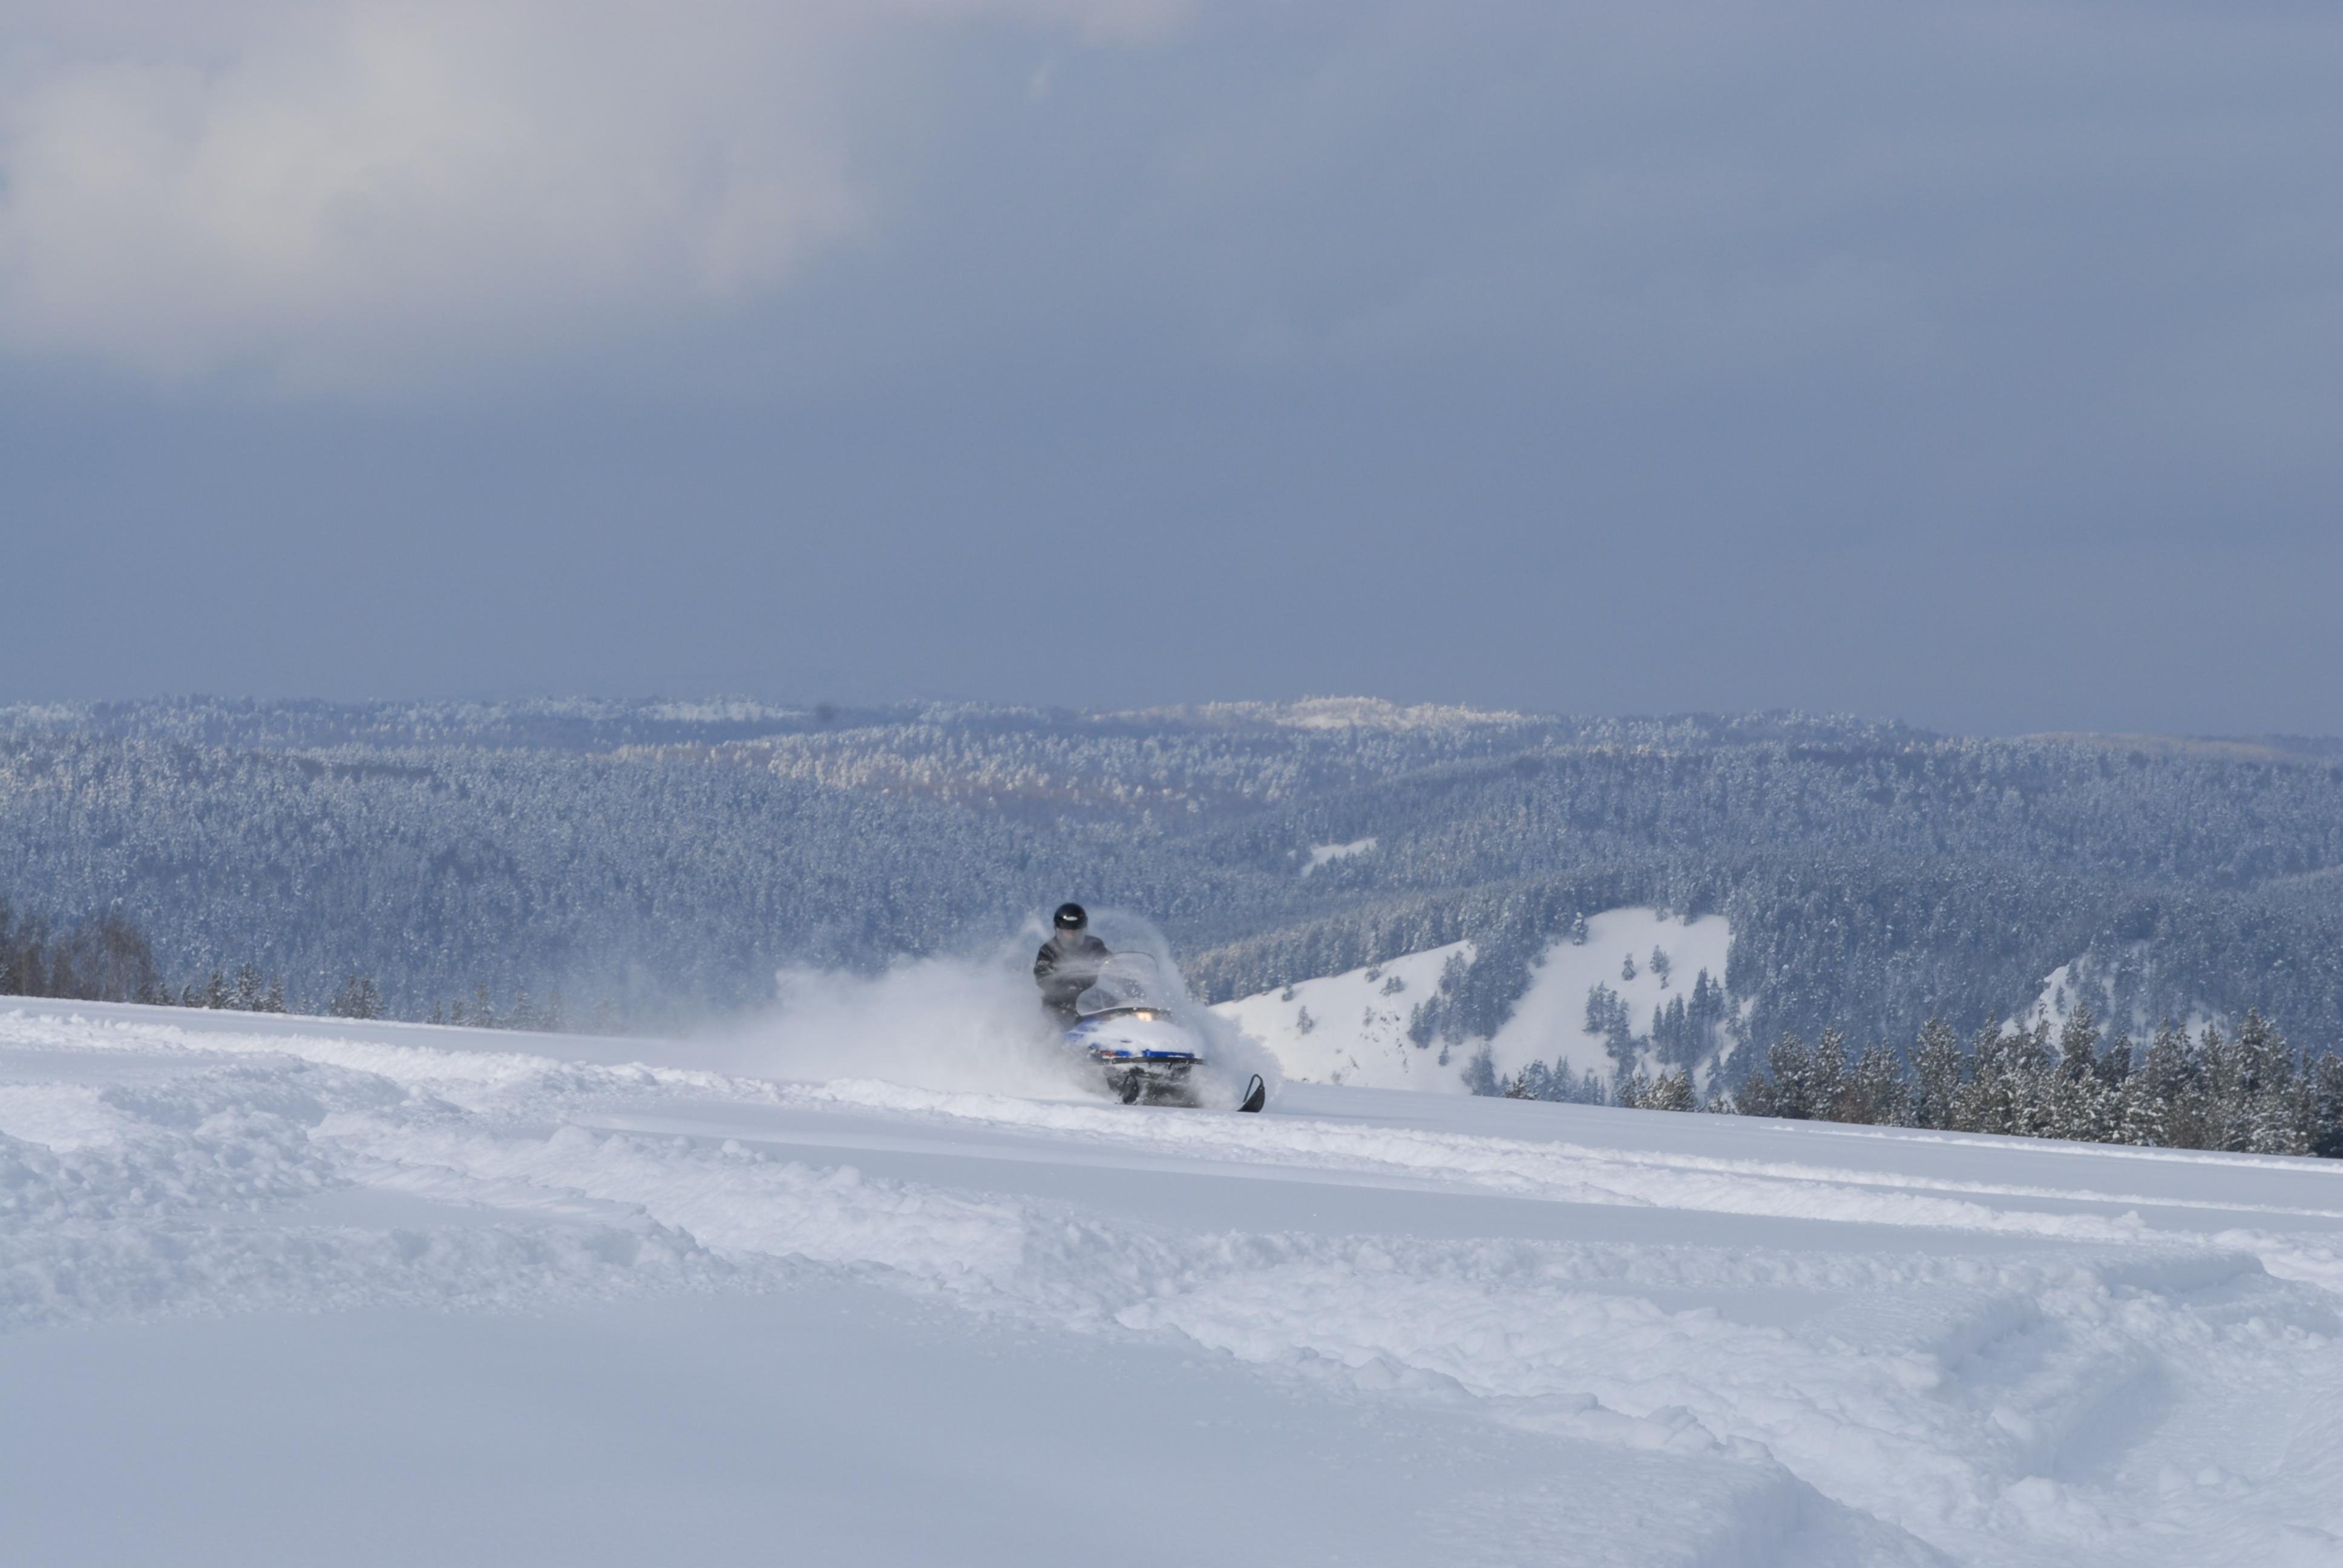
1513,1331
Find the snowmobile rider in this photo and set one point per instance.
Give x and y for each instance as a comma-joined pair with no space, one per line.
1068,963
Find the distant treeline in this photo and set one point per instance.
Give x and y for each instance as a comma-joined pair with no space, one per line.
108,959
679,856
103,960
2246,1092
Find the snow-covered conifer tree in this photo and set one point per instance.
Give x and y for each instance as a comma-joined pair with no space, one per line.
1936,1074
1880,1094
2159,1098
2073,1095
1829,1087
2213,1104
1791,1067
1986,1101
2273,1112
2326,1076
1670,1092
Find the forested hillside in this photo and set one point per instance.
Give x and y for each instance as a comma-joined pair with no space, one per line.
667,857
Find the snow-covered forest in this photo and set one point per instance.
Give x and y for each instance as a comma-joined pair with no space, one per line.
647,861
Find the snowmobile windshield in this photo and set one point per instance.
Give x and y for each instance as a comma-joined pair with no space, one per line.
1124,980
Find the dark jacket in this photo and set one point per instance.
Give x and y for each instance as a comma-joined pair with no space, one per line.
1065,968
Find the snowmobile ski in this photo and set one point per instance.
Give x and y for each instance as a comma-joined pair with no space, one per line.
1256,1094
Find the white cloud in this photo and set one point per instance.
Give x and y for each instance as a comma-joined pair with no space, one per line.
346,193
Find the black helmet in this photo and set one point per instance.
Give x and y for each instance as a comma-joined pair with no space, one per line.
1070,918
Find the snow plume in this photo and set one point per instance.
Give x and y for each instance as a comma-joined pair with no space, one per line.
1234,1055
964,1022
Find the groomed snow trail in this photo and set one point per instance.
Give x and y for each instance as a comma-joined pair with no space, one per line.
865,1322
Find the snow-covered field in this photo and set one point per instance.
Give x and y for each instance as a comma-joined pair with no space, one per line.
299,1290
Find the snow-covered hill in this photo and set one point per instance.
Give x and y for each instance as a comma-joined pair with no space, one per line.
1614,952
1353,1027
288,1290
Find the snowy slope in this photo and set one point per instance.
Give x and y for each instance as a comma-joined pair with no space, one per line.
1352,1027
302,1290
1549,1021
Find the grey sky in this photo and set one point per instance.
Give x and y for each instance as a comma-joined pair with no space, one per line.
1980,365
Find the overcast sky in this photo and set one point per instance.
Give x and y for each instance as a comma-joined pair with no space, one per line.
1976,364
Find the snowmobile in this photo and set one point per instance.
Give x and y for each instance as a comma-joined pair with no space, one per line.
1150,1055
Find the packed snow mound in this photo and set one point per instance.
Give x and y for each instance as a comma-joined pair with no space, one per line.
1371,1327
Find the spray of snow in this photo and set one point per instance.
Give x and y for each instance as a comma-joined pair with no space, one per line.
968,1022
965,1022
